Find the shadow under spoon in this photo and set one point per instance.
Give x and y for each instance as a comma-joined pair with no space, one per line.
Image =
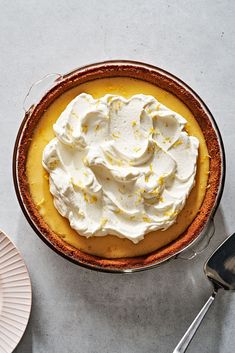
220,270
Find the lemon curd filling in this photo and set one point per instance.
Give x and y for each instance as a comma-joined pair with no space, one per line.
111,246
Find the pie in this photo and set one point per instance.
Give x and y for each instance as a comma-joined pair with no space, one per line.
110,250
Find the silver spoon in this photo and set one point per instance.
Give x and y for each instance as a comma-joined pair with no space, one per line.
220,270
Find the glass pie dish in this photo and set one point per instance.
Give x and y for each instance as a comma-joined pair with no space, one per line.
44,92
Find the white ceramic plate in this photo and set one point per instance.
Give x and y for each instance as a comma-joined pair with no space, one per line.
15,295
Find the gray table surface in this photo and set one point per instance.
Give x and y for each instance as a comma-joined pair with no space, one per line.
77,310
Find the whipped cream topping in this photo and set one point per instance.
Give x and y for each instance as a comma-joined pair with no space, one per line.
120,166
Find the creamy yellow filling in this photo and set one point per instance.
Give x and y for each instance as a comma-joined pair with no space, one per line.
112,246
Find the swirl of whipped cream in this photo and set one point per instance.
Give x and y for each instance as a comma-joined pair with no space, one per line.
120,166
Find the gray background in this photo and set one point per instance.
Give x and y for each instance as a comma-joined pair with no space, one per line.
76,310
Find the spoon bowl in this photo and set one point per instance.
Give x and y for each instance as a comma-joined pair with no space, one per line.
220,270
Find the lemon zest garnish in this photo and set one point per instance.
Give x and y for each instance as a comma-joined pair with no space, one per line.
132,217
137,202
149,173
146,177
89,198
85,173
119,162
97,127
117,105
69,128
138,193
170,213
85,197
141,191
152,130
155,192
177,143
137,133
161,180
133,123
147,219
110,159
158,106
77,184
93,199
116,135
136,149
167,214
74,115
85,161
84,129
117,211
114,161
103,221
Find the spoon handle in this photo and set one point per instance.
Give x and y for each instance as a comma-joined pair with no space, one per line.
186,339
